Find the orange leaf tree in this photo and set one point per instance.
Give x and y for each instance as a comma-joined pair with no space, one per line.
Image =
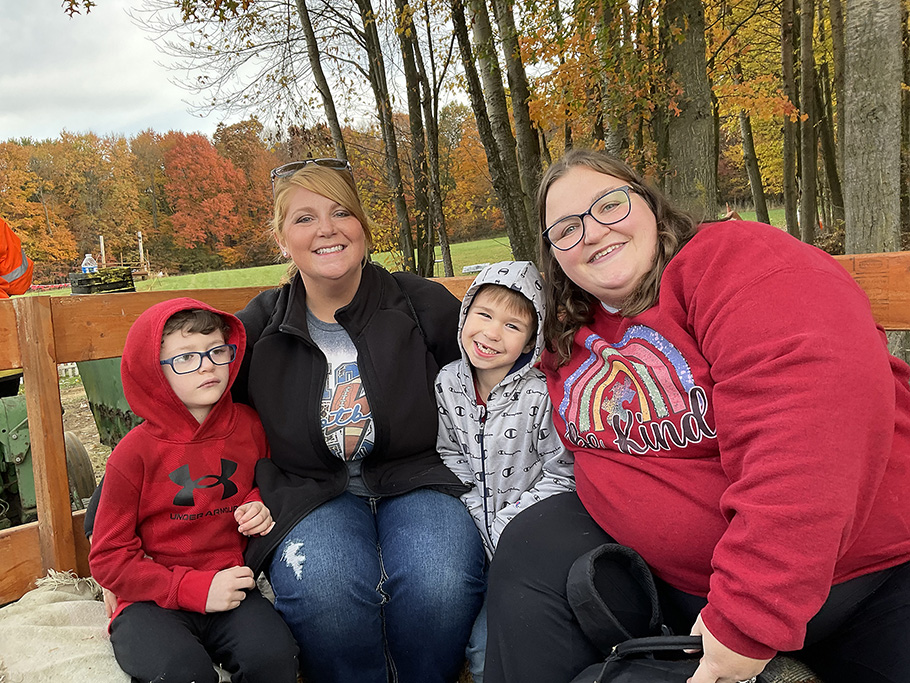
202,189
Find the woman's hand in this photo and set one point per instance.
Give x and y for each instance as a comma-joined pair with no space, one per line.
720,664
253,518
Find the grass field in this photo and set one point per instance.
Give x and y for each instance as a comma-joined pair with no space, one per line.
463,254
777,216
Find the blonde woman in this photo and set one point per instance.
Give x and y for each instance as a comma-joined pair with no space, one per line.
375,563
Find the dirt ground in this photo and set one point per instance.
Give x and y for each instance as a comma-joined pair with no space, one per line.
77,418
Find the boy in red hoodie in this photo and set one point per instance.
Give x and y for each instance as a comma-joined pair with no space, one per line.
177,505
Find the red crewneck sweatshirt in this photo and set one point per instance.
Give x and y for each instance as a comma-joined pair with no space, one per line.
749,435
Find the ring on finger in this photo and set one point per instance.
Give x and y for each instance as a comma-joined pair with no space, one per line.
749,680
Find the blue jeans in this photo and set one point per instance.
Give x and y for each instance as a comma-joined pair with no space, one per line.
476,651
384,589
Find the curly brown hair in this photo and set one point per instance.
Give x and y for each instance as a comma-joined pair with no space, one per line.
568,305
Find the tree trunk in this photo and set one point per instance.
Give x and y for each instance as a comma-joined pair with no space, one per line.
829,155
646,54
597,130
824,109
407,42
690,134
715,120
322,85
384,109
823,202
873,71
808,146
430,103
47,218
525,135
513,213
612,111
521,236
750,159
905,132
544,150
790,143
837,39
567,142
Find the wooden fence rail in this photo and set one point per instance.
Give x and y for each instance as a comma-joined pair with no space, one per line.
37,333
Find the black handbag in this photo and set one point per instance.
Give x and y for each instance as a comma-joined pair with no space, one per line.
639,648
654,659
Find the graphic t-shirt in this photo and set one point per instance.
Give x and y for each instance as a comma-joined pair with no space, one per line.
347,423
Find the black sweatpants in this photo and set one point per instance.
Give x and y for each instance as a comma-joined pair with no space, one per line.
251,642
862,632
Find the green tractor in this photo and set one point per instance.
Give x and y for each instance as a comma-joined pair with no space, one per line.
101,379
17,480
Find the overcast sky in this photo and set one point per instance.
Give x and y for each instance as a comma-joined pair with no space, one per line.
96,72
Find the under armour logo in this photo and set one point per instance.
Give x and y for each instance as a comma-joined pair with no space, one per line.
181,477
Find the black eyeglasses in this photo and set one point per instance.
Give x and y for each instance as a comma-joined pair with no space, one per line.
190,361
611,208
290,169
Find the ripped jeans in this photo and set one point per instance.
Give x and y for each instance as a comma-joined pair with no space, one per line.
381,590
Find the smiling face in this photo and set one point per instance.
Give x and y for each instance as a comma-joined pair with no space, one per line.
611,260
326,241
493,336
202,389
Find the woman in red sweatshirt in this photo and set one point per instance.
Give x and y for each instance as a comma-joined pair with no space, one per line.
736,420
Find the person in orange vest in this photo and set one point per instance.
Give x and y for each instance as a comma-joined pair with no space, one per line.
15,278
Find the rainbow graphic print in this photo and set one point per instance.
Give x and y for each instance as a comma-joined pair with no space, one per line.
640,388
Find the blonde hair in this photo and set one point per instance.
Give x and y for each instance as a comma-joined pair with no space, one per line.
330,183
568,305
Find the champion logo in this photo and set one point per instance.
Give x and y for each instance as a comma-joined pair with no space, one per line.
181,477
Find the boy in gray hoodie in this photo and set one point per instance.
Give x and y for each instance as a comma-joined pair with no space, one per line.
495,423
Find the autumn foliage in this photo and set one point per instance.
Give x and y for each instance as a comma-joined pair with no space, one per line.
206,204
199,204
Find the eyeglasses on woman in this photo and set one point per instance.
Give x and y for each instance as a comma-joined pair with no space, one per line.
608,209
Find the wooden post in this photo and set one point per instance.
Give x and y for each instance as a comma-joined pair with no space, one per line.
103,256
141,255
35,329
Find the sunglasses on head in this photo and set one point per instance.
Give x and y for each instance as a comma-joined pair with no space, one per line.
290,169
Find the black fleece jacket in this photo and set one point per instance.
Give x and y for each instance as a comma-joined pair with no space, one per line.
404,328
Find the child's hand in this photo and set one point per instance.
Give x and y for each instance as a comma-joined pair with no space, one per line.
110,602
253,518
226,592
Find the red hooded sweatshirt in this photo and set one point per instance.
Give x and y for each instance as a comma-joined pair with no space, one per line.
165,524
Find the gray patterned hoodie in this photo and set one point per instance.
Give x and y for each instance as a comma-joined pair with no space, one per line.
507,451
